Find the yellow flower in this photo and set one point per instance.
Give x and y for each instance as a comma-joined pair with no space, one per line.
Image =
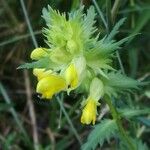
71,76
75,72
41,73
89,112
90,109
50,85
38,53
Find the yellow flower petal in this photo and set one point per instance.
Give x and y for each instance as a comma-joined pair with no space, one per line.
41,73
50,85
89,112
71,77
38,53
75,73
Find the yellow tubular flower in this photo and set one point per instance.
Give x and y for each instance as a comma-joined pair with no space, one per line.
89,112
38,53
75,72
71,76
90,109
50,85
41,73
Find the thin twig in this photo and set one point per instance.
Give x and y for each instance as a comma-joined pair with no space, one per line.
17,38
101,14
31,110
28,23
104,111
69,121
120,62
27,81
52,138
13,112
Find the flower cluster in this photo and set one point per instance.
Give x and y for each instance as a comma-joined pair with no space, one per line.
75,60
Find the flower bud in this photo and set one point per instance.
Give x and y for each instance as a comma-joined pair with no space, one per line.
38,53
96,89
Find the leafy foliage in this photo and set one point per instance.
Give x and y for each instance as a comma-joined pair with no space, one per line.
129,113
101,132
14,48
115,29
36,64
42,63
139,145
117,82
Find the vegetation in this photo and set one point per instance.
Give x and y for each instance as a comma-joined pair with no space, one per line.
112,77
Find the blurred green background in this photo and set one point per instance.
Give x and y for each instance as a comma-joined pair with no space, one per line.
25,120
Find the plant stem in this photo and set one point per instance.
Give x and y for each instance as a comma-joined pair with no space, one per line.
68,119
119,124
28,23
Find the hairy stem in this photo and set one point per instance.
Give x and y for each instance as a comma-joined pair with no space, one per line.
116,117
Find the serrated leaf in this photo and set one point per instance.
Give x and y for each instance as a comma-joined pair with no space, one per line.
42,63
118,83
121,81
52,17
89,22
129,113
115,29
101,132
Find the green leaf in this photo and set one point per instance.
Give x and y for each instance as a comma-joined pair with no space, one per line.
115,29
129,113
42,63
119,80
101,132
89,21
53,17
118,83
137,144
